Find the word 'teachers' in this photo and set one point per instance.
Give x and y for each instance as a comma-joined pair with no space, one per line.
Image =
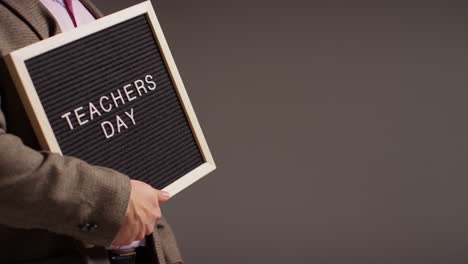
106,103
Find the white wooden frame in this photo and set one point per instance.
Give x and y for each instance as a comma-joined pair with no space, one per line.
28,94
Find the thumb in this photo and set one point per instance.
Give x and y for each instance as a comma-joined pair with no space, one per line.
163,196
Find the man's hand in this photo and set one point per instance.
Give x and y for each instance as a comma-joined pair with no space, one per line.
142,213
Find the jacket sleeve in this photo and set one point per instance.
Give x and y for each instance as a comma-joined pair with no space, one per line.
59,193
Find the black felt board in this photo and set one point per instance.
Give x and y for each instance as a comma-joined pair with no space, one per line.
160,148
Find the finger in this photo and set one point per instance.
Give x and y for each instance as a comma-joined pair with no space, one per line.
125,238
140,236
122,241
121,237
157,214
163,196
149,229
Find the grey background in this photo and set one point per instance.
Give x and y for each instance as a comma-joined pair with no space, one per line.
339,129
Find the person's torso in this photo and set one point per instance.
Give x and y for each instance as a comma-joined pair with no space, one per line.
20,245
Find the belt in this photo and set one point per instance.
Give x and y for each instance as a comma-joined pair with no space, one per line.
123,256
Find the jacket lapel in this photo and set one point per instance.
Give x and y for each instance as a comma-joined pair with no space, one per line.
36,15
92,9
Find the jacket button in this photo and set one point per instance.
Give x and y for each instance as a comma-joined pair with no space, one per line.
85,227
94,227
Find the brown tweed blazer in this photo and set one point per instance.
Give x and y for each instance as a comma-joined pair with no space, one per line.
45,198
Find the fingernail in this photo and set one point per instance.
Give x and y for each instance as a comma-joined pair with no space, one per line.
166,194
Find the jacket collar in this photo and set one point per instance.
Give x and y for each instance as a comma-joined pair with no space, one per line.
92,9
38,17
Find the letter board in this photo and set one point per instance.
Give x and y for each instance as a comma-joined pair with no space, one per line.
109,93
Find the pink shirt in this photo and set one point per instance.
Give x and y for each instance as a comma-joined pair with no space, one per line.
82,16
60,13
